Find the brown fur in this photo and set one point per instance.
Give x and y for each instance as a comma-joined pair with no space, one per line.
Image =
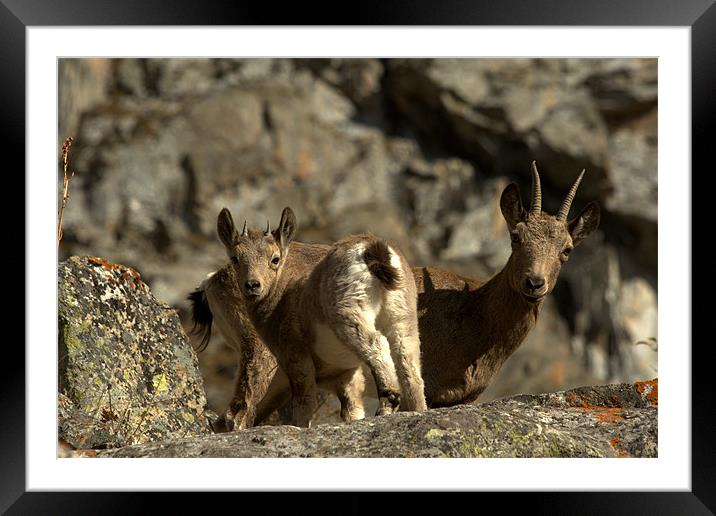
256,365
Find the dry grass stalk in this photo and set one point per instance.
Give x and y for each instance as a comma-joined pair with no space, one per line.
65,185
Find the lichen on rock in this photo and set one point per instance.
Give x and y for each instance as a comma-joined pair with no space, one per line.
127,373
617,420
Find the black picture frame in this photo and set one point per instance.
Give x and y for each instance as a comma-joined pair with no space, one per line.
17,15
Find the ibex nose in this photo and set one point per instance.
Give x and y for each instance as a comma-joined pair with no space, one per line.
252,286
534,282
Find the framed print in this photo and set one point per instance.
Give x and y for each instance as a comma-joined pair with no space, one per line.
506,169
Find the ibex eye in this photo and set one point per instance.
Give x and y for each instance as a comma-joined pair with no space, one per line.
515,238
275,260
234,260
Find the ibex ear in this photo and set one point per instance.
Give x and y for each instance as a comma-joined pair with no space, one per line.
511,206
286,229
586,222
226,229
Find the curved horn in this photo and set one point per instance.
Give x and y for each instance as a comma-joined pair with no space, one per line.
536,206
243,231
564,209
268,227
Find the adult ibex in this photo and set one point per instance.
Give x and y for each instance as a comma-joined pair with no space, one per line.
357,305
468,328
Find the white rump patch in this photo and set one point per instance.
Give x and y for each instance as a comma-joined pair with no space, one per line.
357,267
361,286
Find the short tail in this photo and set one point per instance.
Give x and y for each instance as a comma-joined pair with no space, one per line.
377,257
201,316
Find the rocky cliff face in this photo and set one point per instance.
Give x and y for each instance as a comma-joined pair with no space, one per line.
417,151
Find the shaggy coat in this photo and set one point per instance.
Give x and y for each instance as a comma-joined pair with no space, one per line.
356,306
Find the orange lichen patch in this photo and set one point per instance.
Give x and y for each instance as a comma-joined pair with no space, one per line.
572,399
601,413
607,415
128,275
614,443
131,277
409,454
137,278
649,391
96,260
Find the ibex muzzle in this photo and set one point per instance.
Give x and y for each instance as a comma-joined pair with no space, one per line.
541,243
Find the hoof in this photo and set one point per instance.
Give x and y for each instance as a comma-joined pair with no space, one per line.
389,402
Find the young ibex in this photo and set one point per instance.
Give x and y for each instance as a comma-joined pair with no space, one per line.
357,305
468,328
219,299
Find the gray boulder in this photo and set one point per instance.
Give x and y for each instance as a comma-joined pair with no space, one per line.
127,373
605,421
